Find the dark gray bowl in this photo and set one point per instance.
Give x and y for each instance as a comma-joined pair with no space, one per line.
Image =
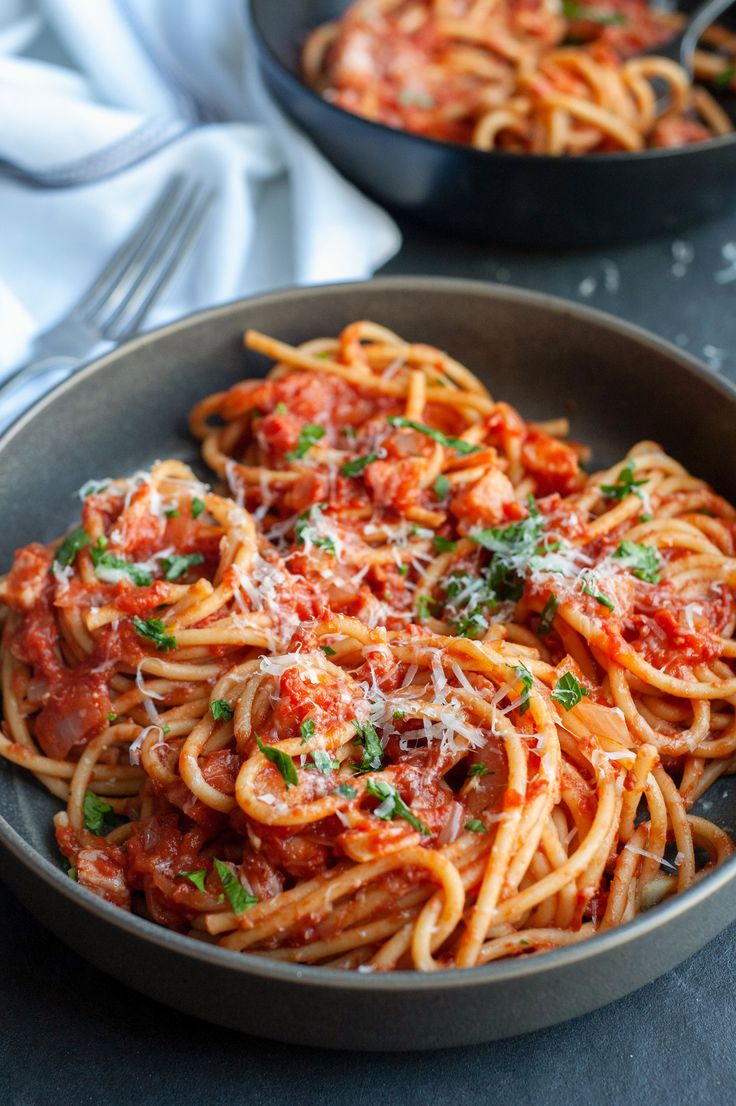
616,383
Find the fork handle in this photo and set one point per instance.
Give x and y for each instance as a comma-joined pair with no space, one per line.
31,370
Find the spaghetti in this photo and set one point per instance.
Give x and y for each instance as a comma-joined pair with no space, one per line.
417,693
531,76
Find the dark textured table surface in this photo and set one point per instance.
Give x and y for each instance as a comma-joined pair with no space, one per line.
68,1034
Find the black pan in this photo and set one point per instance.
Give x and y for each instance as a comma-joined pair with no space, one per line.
616,383
523,200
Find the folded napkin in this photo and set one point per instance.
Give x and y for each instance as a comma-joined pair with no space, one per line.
159,86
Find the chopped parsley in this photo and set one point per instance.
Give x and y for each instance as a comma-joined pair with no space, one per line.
397,715
346,791
372,752
155,631
282,761
309,435
197,507
513,548
476,826
280,409
323,762
586,586
304,530
172,512
479,770
197,878
221,710
468,600
425,607
110,568
403,570
592,15
356,467
643,560
441,486
527,682
548,616
625,484
568,691
239,898
328,650
392,805
99,816
444,545
176,566
307,729
67,552
111,716
723,79
460,446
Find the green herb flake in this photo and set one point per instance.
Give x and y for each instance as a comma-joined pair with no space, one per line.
309,435
444,545
724,79
548,616
479,770
307,730
476,826
358,466
458,444
568,691
176,566
441,486
155,631
197,878
239,898
111,716
280,409
403,570
110,568
527,682
643,560
593,15
398,715
587,588
221,710
625,484
328,650
197,507
425,607
282,761
99,816
304,530
392,805
372,752
67,552
172,512
346,791
323,762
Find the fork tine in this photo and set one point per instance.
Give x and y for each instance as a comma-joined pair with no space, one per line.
105,284
173,245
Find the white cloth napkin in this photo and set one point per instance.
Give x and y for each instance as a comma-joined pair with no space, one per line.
160,86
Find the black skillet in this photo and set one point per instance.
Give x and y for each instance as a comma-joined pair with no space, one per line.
522,200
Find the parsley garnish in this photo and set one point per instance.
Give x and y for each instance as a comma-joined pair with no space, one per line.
72,543
282,761
625,484
476,826
176,566
403,570
460,446
479,770
99,817
425,606
110,564
155,631
568,691
356,467
586,587
280,409
309,435
372,752
548,616
221,710
444,545
197,878
172,512
527,682
441,486
643,560
111,716
723,80
346,791
323,762
392,805
592,15
240,899
307,729
304,531
397,715
328,650
197,507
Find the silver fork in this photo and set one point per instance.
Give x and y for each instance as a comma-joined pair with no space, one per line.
116,303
